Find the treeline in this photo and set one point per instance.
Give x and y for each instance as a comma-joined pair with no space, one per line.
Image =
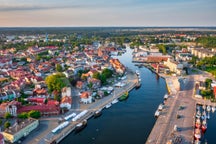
208,64
207,41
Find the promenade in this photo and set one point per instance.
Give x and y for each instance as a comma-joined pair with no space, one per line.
48,137
179,111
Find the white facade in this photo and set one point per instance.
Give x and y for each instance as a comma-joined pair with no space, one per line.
86,100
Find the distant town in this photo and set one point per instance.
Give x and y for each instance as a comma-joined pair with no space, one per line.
61,77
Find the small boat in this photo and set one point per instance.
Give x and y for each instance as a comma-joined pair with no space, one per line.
208,116
208,108
213,109
204,126
108,105
157,113
203,115
80,126
138,85
165,96
160,107
124,96
204,107
137,72
98,113
197,134
198,114
198,123
197,142
198,108
114,101
139,79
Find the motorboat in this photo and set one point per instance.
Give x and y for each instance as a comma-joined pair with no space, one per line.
204,126
108,105
165,96
208,108
197,134
160,107
157,113
197,123
98,113
114,101
80,126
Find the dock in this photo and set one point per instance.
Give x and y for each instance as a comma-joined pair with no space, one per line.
175,123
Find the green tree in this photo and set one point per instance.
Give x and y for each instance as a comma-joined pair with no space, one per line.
162,48
107,73
55,82
0,122
23,115
59,68
96,75
7,124
7,115
34,114
208,83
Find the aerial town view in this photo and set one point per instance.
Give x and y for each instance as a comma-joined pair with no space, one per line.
107,72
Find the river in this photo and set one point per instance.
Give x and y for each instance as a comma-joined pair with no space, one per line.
127,122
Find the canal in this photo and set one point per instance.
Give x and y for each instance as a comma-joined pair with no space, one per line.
127,122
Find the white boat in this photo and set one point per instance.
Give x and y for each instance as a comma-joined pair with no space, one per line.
165,96
160,107
157,113
198,114
213,109
108,105
137,72
203,115
114,101
139,80
208,108
208,116
197,142
198,108
204,107
197,134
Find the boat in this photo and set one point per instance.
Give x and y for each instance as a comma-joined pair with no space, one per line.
198,114
160,107
213,109
203,115
204,107
165,96
114,101
80,126
98,113
204,126
139,79
197,134
157,113
208,116
208,108
108,105
198,108
197,142
124,96
198,123
137,72
138,85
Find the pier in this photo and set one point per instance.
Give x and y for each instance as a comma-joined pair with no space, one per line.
176,121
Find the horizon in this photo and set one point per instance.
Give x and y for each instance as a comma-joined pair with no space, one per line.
108,13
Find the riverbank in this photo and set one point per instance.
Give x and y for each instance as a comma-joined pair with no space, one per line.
132,80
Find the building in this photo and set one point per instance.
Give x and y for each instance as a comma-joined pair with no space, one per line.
2,139
86,97
174,66
66,102
203,52
9,107
19,130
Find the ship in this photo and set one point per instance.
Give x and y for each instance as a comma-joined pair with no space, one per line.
197,134
204,126
124,96
80,126
98,113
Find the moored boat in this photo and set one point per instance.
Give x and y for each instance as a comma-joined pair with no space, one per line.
197,134
198,123
81,126
160,107
204,126
124,96
204,107
98,113
157,113
137,72
138,85
114,101
108,105
198,114
213,109
208,116
165,96
208,108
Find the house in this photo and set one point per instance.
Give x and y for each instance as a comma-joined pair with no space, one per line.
118,66
174,66
203,52
19,130
66,91
66,102
77,68
95,83
86,97
79,85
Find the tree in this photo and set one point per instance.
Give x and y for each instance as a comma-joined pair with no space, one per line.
0,122
162,48
59,68
55,82
34,114
208,83
107,73
96,75
7,124
23,115
7,115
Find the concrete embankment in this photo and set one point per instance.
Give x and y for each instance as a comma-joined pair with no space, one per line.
66,131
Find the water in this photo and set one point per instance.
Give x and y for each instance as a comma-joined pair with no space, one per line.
127,122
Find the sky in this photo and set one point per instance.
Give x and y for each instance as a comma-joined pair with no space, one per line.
58,13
